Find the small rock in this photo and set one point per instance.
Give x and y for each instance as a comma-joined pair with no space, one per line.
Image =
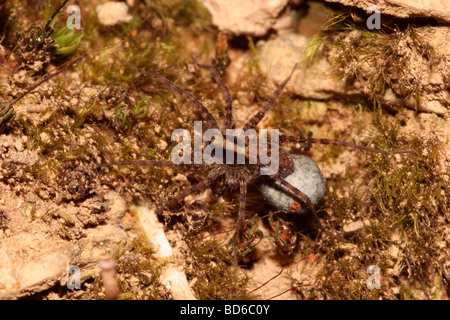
254,17
394,251
118,206
396,290
111,13
181,178
19,145
277,57
162,145
44,137
5,144
353,227
74,102
306,177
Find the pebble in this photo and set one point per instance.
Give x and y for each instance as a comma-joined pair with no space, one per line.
44,137
19,145
181,178
111,13
353,227
162,145
254,17
306,177
74,102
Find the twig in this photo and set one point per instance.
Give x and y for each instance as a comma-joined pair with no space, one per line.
172,274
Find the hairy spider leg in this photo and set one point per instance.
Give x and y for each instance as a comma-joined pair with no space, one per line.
241,218
253,122
156,163
192,190
211,122
305,199
164,163
228,122
338,143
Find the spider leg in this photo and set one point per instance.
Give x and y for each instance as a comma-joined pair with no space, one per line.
154,163
192,190
228,122
253,122
338,143
304,198
211,122
241,218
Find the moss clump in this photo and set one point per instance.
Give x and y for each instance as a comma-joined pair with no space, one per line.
403,202
380,59
215,280
414,194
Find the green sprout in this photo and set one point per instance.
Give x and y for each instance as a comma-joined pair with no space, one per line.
66,40
122,117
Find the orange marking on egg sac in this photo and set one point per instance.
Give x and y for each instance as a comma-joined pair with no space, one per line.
295,207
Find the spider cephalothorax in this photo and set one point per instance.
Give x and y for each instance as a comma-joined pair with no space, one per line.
233,175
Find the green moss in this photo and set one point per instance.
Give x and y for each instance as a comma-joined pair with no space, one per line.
411,195
403,201
222,208
351,47
215,279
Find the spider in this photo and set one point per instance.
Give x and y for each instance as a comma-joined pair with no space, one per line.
237,176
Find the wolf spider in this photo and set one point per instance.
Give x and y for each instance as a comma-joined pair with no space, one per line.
237,176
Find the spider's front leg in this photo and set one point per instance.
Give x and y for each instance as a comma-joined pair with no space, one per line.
210,120
310,141
229,121
192,190
164,163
